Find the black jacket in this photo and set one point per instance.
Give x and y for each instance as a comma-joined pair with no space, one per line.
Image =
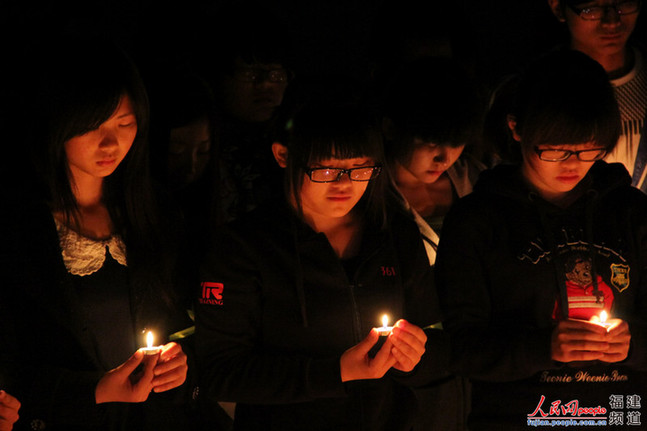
48,357
502,272
283,311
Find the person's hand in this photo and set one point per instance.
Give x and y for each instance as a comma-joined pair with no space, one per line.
408,345
9,407
579,340
618,339
356,364
170,371
121,385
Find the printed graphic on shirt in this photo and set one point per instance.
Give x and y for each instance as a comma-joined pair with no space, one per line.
586,296
211,293
592,274
620,276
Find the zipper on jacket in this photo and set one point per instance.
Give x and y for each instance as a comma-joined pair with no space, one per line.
357,325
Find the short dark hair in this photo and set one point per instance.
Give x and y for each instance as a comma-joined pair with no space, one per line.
252,31
565,98
434,99
325,130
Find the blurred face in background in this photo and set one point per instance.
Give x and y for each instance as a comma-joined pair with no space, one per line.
253,92
598,38
429,161
189,152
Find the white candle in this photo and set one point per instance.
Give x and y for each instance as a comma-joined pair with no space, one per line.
150,349
604,321
385,329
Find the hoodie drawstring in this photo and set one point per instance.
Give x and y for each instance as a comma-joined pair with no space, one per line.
298,275
592,196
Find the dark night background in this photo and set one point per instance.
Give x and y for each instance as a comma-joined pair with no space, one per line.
344,38
329,36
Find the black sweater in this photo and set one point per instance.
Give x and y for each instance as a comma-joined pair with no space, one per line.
502,273
49,355
284,310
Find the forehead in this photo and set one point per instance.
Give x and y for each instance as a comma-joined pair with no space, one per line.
591,2
574,147
239,63
343,163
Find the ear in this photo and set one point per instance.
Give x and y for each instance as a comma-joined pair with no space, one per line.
280,152
556,8
512,125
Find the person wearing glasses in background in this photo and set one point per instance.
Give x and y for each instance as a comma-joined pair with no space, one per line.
603,29
247,61
292,292
530,260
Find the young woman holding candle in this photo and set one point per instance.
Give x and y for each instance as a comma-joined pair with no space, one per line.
87,265
530,259
432,118
291,292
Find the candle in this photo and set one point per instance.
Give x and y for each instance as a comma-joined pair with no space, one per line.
604,321
385,329
150,349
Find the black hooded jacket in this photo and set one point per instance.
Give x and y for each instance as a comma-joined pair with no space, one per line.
277,309
504,265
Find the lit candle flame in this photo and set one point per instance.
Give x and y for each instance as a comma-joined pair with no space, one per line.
603,317
385,321
149,339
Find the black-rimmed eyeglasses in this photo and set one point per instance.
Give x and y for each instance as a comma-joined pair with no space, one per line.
261,75
559,155
328,175
595,13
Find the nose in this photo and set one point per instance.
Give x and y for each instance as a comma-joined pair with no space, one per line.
193,162
610,16
343,178
187,163
571,162
108,140
441,156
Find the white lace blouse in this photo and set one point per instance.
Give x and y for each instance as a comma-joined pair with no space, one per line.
85,256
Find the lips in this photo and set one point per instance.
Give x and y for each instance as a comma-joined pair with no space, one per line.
340,198
106,162
611,37
568,178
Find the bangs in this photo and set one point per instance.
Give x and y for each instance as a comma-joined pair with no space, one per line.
567,99
577,125
345,147
340,132
88,114
84,90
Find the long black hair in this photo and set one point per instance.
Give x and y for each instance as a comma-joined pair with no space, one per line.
82,83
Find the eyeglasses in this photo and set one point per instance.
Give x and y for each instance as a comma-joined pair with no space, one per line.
328,175
260,75
595,13
555,155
